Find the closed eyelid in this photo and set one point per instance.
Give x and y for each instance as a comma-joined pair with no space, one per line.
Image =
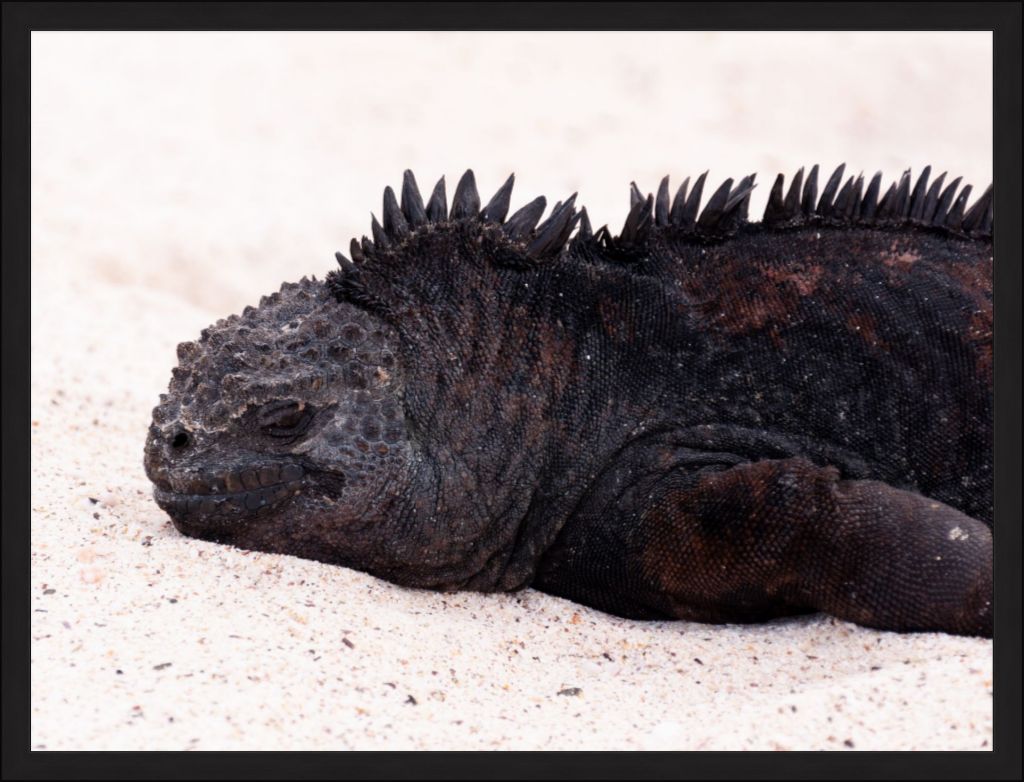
270,414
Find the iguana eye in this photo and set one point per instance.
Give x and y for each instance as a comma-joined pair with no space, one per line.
285,419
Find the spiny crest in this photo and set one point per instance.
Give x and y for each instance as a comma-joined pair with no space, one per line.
852,203
403,217
680,215
840,204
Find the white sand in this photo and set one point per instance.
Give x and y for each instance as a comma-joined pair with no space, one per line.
178,177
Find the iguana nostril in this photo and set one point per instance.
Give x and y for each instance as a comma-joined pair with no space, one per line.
181,440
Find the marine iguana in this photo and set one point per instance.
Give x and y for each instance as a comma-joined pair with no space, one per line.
702,417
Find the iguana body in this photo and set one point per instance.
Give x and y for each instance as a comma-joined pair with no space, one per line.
701,418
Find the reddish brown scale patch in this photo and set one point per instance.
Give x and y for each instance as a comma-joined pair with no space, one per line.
764,305
865,326
666,457
739,299
980,333
803,277
521,409
900,257
556,359
975,280
741,296
616,320
897,262
733,532
665,520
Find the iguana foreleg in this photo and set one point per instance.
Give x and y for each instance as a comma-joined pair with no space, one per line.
780,536
715,537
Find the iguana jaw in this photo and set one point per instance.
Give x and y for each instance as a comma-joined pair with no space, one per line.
227,495
245,491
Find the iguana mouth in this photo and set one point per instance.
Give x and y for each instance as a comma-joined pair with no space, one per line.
245,491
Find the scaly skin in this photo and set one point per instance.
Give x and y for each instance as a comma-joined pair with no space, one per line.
702,418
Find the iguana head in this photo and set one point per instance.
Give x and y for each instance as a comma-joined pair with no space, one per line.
350,420
282,429
394,417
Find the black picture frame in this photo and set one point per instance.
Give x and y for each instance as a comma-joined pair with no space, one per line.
19,19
